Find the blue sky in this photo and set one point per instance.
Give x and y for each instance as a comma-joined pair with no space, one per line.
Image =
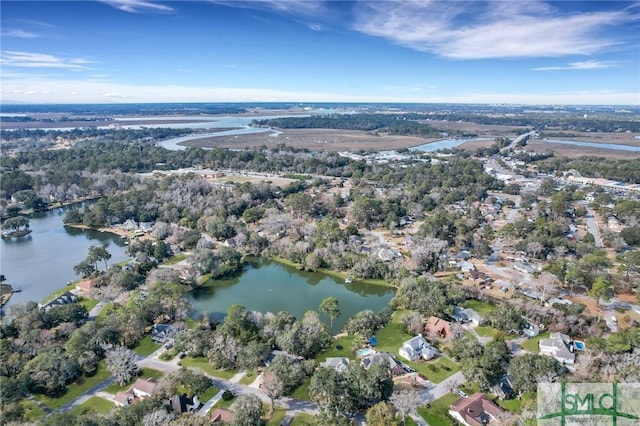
572,52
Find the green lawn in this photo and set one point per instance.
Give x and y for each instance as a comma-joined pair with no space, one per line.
32,412
276,417
107,310
344,343
408,421
480,307
249,377
145,373
58,292
436,413
175,259
515,405
203,363
146,346
302,391
88,303
208,394
303,419
95,404
486,331
224,404
75,389
531,344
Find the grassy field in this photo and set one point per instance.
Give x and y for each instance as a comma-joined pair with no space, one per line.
480,307
88,303
175,259
145,373
208,394
76,388
341,347
436,414
302,391
486,331
32,412
276,417
302,419
531,344
146,346
515,405
105,312
204,364
249,377
95,404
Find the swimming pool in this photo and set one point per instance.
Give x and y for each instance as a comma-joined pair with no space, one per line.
578,345
365,351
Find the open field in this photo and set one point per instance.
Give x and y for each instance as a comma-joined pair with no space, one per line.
572,151
313,139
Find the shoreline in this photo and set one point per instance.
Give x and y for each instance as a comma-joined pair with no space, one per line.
116,231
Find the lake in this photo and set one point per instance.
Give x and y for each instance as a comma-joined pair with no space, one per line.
445,144
268,286
42,262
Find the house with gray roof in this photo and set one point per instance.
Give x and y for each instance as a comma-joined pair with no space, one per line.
559,346
416,348
337,363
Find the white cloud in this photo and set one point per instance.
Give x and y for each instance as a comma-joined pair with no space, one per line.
494,29
138,6
18,33
582,65
10,58
289,7
92,91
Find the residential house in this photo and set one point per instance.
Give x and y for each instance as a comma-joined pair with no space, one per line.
144,388
503,388
416,348
465,315
476,410
221,415
64,299
559,346
383,358
530,329
123,398
337,363
161,333
86,286
437,328
183,403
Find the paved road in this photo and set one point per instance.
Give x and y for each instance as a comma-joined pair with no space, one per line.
442,388
592,226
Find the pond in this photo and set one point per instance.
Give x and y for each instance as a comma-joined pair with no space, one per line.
268,286
42,262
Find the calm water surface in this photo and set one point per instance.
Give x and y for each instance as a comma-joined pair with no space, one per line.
43,261
268,286
445,144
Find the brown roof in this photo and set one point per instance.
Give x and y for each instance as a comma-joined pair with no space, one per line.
221,415
473,407
146,386
122,397
437,327
86,285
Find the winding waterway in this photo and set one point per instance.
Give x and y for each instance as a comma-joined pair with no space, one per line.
42,262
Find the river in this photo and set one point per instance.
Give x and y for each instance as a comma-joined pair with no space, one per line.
268,286
42,262
598,145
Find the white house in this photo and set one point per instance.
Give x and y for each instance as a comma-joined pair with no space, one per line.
417,348
559,346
